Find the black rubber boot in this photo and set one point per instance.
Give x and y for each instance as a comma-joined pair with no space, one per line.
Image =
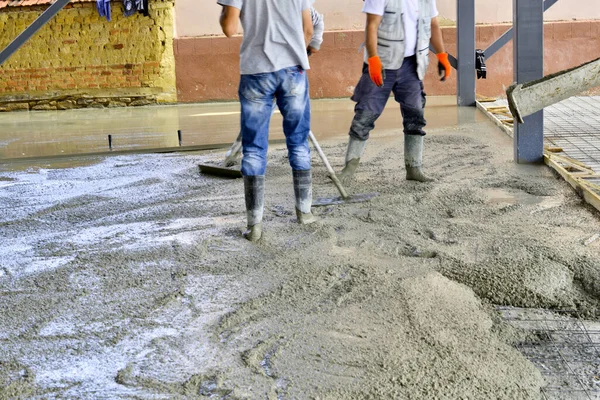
303,192
254,190
413,158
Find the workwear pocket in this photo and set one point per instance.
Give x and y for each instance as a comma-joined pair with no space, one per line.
255,87
384,51
389,21
295,81
426,22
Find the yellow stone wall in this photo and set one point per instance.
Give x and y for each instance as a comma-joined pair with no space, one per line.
80,52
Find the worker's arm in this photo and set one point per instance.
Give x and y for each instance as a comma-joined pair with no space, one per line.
373,22
437,42
318,29
436,36
375,66
230,19
307,26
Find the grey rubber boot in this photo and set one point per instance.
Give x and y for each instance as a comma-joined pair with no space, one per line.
413,158
254,190
233,154
303,192
356,148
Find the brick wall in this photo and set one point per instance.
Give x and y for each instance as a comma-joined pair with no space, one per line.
95,77
80,55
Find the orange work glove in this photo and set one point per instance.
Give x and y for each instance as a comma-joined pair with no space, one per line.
444,67
376,70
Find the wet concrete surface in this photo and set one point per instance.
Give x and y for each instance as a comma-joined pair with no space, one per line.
128,277
25,135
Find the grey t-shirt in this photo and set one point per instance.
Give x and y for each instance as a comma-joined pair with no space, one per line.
273,34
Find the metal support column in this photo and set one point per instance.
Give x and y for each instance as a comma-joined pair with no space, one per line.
465,41
20,40
528,23
508,35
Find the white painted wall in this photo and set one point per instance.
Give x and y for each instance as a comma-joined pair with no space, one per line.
493,11
201,17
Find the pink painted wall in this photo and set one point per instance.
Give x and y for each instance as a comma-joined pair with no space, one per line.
208,67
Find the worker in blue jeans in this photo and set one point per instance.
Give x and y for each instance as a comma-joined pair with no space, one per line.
273,64
233,154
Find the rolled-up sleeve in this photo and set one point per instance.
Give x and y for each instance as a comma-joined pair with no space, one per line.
318,29
375,7
233,3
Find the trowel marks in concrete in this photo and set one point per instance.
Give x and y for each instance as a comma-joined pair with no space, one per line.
130,279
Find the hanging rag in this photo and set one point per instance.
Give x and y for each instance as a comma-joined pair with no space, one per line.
129,7
480,64
144,8
103,8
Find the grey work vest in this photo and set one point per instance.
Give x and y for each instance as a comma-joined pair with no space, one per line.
390,36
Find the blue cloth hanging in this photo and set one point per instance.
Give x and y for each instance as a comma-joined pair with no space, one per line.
103,8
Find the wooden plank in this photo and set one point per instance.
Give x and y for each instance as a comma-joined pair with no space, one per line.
591,198
553,149
576,169
496,108
505,128
583,188
586,175
549,160
483,99
571,161
575,162
593,187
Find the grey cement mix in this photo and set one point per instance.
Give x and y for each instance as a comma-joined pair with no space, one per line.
127,277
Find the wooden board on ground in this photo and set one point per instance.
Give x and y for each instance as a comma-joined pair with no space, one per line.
483,99
588,190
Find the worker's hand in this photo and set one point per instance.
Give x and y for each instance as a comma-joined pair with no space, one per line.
444,67
376,72
311,50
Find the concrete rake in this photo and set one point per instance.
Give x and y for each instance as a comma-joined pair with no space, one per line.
344,197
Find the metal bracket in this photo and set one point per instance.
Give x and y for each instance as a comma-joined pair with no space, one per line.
36,25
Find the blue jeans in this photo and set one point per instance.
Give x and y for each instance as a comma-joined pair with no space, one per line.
289,87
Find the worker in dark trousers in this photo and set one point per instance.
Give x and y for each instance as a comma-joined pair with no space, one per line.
398,34
273,64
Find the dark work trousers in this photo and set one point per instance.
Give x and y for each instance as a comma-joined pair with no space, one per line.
371,99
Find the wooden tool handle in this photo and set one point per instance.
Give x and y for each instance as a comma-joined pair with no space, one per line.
332,174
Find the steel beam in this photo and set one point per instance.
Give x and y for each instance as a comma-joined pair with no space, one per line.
508,35
528,23
42,20
465,41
